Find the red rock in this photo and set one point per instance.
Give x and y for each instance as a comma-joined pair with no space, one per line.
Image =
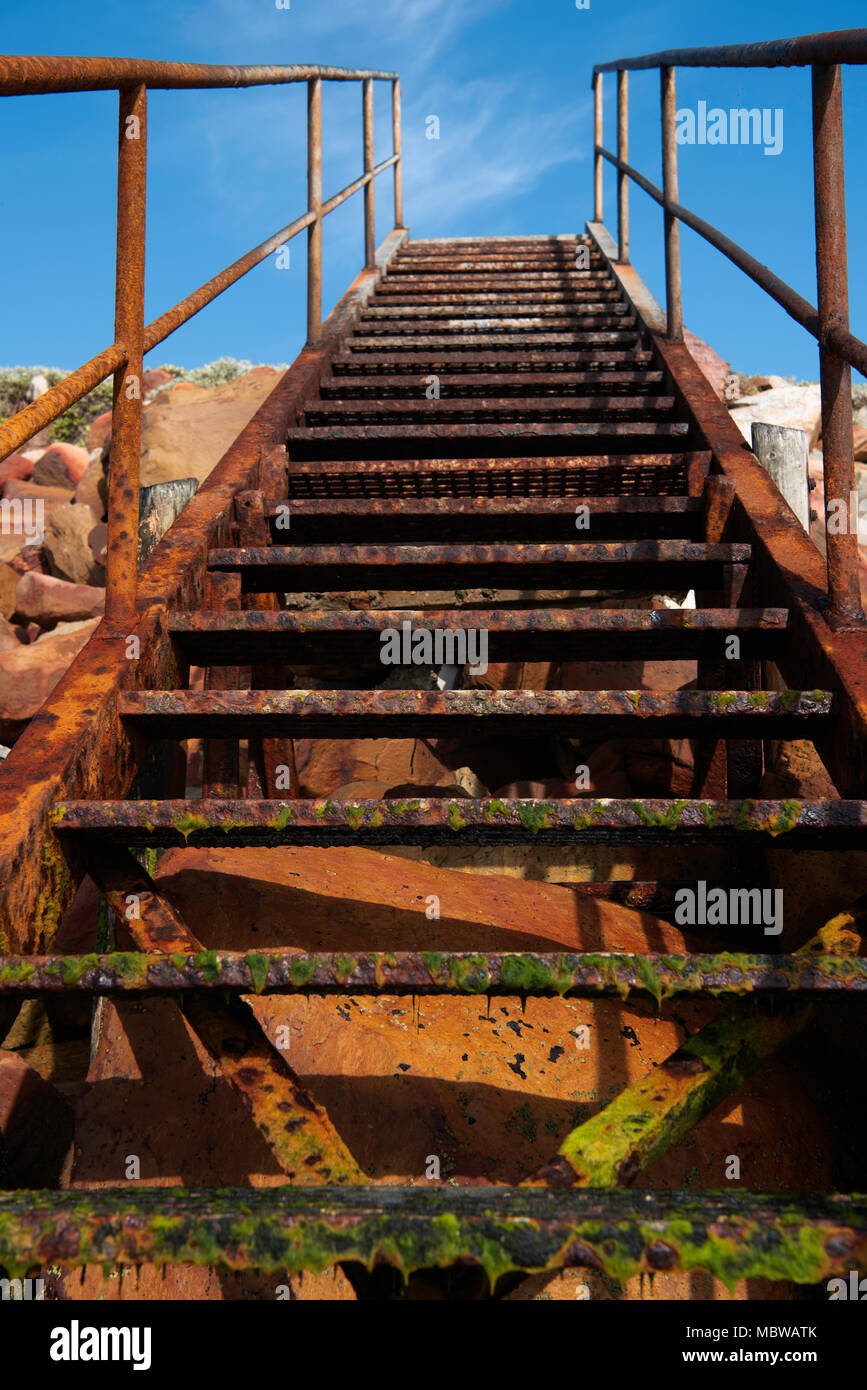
157,376
100,431
45,600
92,491
30,557
67,530
714,368
61,463
8,638
36,1125
98,542
28,675
326,764
16,466
8,587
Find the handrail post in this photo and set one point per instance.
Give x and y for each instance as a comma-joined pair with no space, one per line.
674,301
623,154
597,143
398,150
369,205
314,205
835,373
121,562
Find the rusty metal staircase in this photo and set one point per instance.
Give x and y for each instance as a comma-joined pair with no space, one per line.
466,405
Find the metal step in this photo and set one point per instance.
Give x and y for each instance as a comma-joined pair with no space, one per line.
644,566
531,634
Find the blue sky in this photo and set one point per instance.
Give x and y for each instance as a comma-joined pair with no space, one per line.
510,82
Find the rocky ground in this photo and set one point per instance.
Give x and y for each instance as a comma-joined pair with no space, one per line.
52,528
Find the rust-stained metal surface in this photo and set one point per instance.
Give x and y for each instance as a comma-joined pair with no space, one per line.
733,1235
456,713
122,507
182,970
647,1118
634,565
797,825
297,1130
32,75
215,638
837,46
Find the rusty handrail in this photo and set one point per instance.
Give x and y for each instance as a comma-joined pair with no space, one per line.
835,46
839,349
30,75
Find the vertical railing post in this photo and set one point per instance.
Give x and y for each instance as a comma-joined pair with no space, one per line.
369,204
835,373
314,205
398,150
121,564
623,153
597,143
674,302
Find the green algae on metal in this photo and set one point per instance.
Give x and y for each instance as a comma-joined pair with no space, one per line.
73,967
301,972
258,965
621,1234
188,823
536,815
209,964
647,1117
655,819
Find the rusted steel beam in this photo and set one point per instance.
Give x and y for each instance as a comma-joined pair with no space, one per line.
507,410
535,634
733,1235
844,592
338,442
480,302
568,475
835,46
474,517
297,1130
397,139
805,825
121,561
456,713
32,75
74,746
268,756
459,385
369,205
221,757
345,363
673,298
647,1118
25,423
623,151
478,516
787,569
641,565
314,207
515,333
611,975
389,317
